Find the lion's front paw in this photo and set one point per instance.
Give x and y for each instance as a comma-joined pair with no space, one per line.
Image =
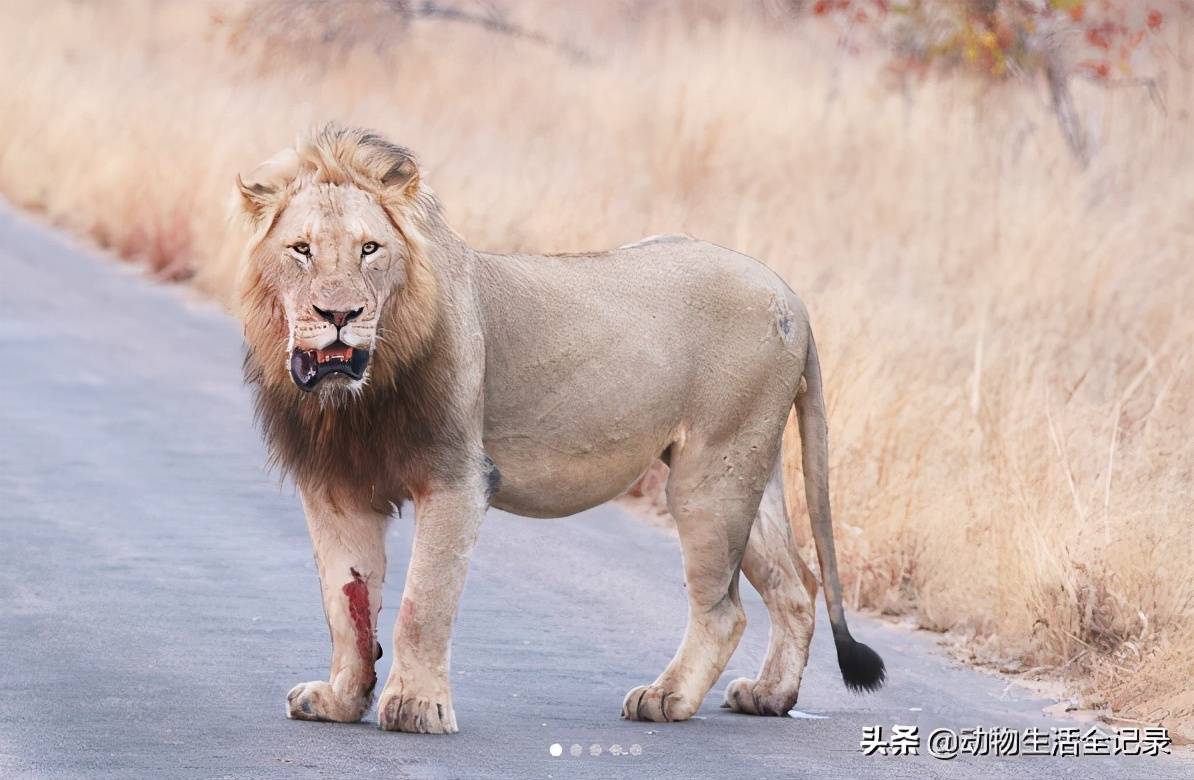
656,703
407,710
753,697
318,701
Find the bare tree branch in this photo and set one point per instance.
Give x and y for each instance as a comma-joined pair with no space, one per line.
493,21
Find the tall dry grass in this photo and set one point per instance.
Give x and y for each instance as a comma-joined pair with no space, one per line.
1006,336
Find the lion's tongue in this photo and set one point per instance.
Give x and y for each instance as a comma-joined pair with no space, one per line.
328,354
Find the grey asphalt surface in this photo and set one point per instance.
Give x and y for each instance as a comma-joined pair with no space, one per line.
158,596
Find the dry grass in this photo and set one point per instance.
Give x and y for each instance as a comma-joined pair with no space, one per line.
1006,337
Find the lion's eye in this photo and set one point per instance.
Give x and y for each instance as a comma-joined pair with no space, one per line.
302,248
369,248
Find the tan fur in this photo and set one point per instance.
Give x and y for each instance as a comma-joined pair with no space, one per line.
541,385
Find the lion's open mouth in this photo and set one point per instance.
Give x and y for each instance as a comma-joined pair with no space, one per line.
310,366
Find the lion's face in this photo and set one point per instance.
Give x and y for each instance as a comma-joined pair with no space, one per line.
333,256
337,285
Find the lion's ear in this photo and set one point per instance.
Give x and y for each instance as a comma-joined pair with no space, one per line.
256,199
402,178
259,191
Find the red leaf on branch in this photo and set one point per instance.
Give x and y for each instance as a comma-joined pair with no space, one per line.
1097,37
1099,70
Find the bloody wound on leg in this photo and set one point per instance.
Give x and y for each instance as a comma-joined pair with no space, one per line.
357,593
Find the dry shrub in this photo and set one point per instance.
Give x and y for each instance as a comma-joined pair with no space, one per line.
1006,336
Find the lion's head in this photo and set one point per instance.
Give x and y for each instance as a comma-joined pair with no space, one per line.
336,288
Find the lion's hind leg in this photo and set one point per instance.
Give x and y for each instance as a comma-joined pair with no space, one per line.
713,496
788,588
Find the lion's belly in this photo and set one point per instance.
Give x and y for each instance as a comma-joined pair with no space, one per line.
544,479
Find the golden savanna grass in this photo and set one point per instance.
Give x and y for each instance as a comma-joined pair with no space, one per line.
1006,335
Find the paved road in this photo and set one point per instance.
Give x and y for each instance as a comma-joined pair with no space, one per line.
158,596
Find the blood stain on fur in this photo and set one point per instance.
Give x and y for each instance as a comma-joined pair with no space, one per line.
406,621
357,593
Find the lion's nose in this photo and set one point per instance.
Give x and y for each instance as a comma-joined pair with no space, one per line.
338,318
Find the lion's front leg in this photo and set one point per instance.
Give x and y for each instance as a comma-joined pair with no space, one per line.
351,556
417,696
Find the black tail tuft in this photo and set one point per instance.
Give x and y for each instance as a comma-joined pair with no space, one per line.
862,668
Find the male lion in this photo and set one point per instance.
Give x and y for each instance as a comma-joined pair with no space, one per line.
392,362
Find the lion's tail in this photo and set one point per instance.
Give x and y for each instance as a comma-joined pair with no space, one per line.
862,668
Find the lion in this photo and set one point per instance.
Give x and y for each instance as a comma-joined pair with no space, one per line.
391,362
